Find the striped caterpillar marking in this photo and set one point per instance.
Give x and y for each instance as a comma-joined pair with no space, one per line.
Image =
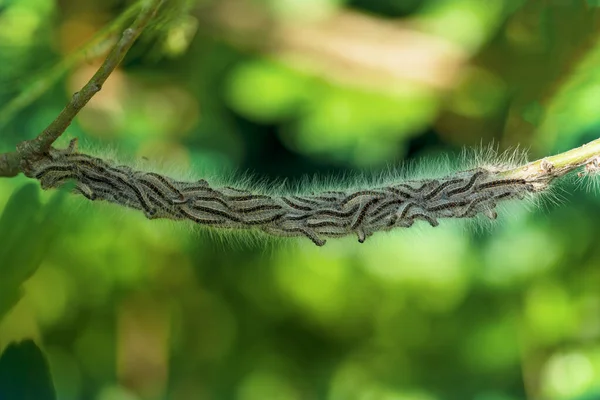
263,207
470,183
90,165
362,213
378,218
440,188
501,182
471,209
336,213
210,199
52,168
264,220
405,208
297,217
294,205
89,176
55,177
152,178
398,192
204,221
157,196
214,211
323,214
448,205
386,204
195,188
356,196
333,233
248,197
324,223
304,200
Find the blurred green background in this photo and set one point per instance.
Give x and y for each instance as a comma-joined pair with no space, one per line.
127,308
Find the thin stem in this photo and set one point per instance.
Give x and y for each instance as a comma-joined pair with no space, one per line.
27,151
547,169
42,143
357,211
9,164
40,85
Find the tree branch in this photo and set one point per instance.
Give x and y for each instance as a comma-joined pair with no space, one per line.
543,171
330,213
27,151
91,49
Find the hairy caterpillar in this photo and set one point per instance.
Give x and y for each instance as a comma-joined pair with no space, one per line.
317,216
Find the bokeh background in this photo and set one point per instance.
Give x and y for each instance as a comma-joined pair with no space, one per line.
127,308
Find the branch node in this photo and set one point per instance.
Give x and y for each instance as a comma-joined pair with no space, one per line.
546,166
128,34
75,98
593,166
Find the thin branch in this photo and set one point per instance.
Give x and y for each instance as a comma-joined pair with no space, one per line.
93,48
13,163
361,212
42,143
543,171
10,164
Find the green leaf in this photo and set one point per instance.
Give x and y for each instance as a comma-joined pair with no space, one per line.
26,232
25,373
17,224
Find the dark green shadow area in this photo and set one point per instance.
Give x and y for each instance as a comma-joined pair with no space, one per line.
24,373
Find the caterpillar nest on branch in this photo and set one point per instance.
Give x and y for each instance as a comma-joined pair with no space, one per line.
315,215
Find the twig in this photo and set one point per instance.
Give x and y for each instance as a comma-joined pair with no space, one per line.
545,170
42,143
362,211
10,164
27,151
40,85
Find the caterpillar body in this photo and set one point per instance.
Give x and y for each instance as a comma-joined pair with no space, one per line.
316,216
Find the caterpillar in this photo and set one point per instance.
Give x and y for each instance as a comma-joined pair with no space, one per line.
316,216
